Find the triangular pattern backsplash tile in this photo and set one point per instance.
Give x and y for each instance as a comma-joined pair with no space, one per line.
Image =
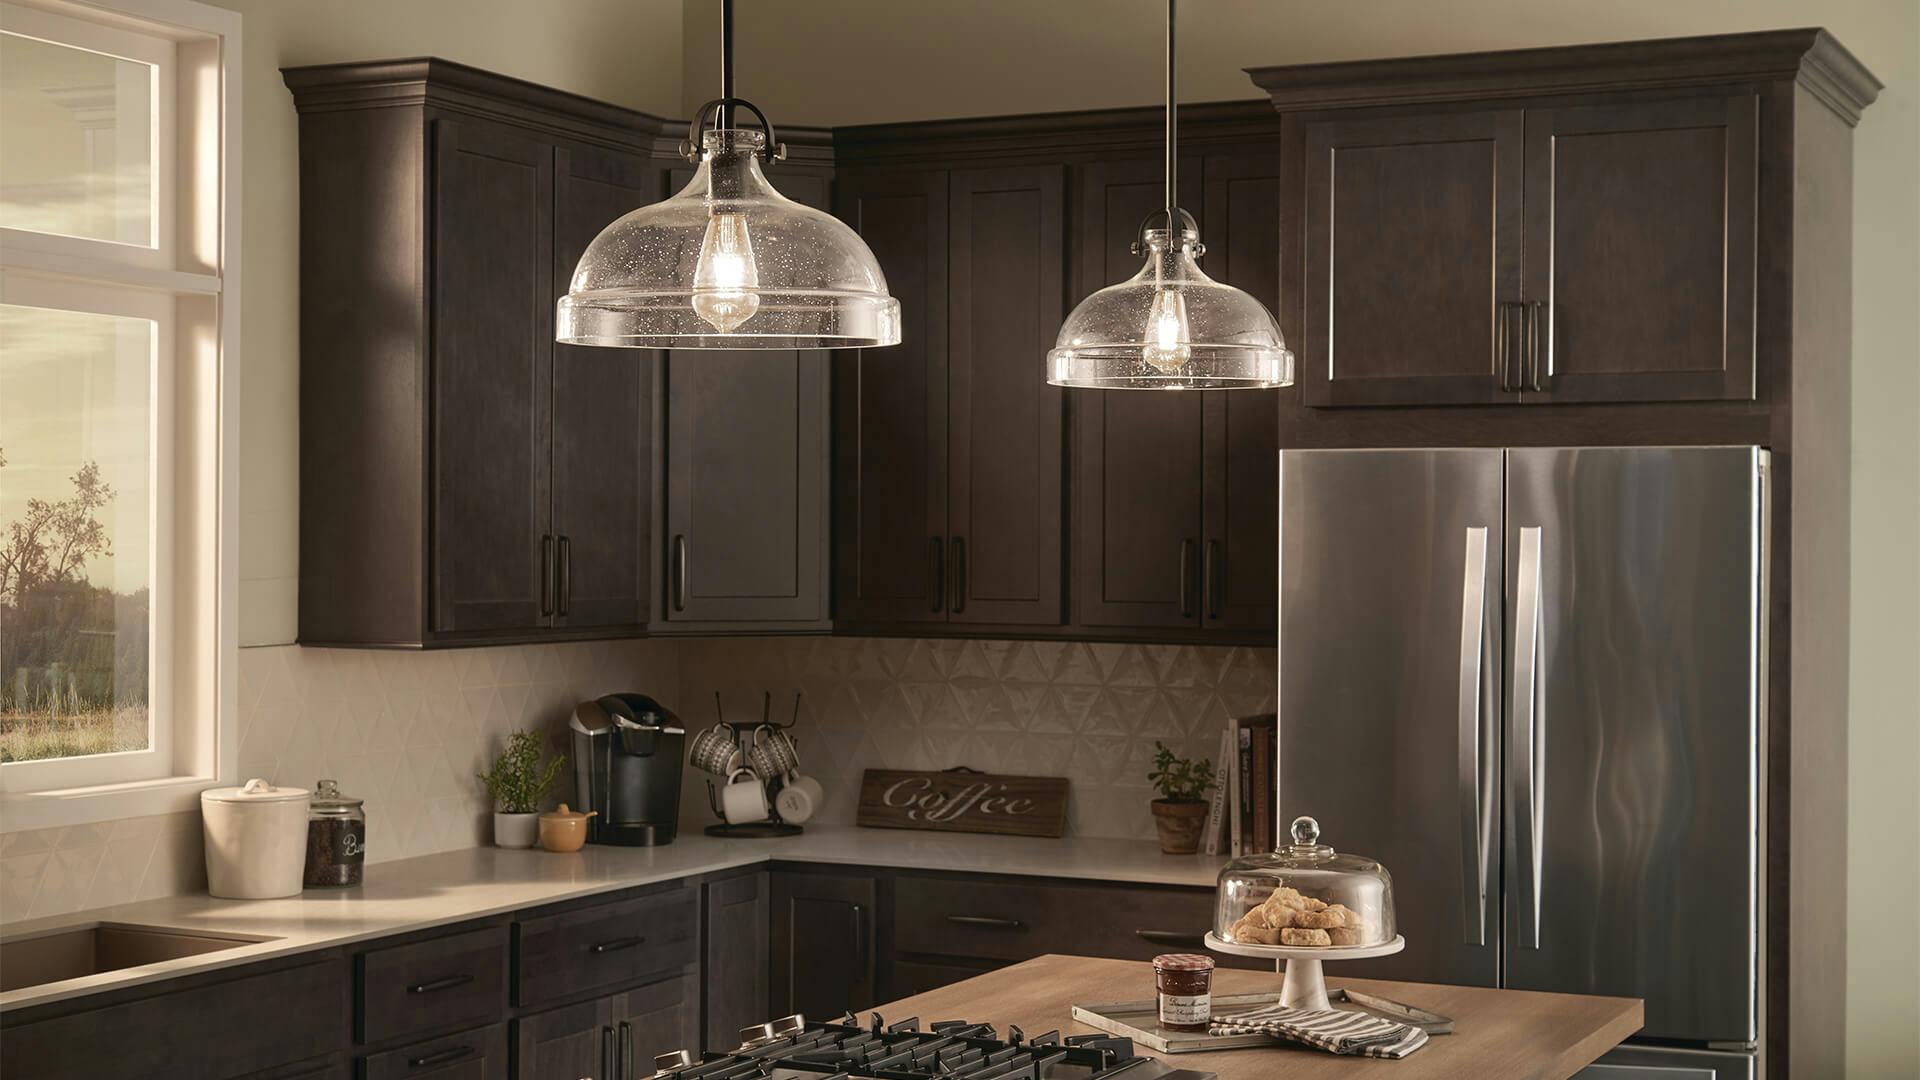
1089,712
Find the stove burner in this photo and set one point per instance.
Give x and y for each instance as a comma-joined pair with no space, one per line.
790,1048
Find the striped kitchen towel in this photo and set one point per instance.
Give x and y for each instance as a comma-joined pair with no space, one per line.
1335,1030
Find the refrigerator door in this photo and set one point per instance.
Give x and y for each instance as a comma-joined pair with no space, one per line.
1633,712
1668,1063
1388,691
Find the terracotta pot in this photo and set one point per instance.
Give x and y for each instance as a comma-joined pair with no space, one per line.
1180,824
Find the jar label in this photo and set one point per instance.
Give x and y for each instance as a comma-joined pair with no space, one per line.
1186,1008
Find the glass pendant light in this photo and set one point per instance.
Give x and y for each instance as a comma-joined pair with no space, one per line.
1170,326
728,262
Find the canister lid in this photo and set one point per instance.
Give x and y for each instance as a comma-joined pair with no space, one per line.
1183,962
329,799
255,790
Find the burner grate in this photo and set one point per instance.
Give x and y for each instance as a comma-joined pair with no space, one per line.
792,1049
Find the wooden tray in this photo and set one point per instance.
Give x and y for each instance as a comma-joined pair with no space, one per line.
1137,1020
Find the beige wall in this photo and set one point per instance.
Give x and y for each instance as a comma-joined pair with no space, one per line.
623,51
868,61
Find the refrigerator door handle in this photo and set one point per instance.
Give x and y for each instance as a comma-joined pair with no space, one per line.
1525,739
1476,804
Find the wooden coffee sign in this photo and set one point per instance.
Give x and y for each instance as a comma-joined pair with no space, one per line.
964,801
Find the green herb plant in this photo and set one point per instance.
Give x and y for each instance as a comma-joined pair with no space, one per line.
1180,779
517,783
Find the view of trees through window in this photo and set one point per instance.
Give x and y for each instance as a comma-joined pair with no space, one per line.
74,533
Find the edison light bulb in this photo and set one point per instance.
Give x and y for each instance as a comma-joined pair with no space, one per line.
1167,331
725,281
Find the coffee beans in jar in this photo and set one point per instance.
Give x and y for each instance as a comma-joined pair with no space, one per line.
336,838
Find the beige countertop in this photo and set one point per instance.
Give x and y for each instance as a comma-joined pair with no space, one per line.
1498,1034
453,886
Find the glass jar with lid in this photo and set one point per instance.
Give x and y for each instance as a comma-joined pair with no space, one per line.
1306,895
336,837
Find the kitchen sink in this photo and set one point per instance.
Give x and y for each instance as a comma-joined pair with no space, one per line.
36,959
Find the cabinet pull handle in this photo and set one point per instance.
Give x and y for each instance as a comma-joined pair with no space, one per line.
859,937
546,575
625,1068
606,1053
937,564
1211,572
959,574
618,944
441,1058
988,921
566,574
1186,579
680,572
1171,937
435,985
1503,345
1531,323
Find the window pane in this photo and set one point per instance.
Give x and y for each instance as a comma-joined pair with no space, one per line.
76,127
75,532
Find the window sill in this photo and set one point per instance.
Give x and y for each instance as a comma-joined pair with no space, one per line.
87,805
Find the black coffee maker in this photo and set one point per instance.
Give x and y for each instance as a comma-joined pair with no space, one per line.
627,750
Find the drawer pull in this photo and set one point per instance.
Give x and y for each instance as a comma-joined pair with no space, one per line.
441,1058
1171,937
619,944
433,985
988,921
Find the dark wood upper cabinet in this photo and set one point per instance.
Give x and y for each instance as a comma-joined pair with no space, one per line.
1006,285
492,320
744,474
1412,244
1640,234
602,415
890,412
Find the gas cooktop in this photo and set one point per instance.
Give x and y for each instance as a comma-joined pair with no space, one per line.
793,1049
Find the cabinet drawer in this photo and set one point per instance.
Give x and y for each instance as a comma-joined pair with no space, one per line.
229,1028
996,920
607,945
433,985
479,1054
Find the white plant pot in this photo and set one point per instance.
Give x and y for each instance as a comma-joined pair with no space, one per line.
515,830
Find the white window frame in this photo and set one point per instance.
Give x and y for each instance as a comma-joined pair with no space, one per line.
187,283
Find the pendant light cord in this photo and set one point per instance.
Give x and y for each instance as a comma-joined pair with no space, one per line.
726,61
1173,122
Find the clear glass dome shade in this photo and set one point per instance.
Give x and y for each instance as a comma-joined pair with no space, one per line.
728,263
1170,327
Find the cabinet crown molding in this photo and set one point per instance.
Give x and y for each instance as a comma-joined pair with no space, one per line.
1810,56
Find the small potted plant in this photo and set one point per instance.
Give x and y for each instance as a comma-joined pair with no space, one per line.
517,783
1180,813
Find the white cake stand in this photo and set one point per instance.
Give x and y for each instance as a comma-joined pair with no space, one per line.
1306,985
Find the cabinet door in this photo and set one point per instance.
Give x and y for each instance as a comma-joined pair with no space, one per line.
890,413
655,1019
1137,464
480,1054
738,909
745,473
1640,250
1004,495
823,944
568,1043
602,415
492,336
1242,428
1412,242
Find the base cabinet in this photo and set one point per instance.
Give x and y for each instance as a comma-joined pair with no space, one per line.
608,1038
737,958
480,1054
823,937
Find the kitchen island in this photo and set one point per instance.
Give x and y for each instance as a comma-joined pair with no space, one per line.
1498,1034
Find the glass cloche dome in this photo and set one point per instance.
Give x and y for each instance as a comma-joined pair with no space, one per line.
1305,895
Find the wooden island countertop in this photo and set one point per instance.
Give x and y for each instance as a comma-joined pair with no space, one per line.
1498,1034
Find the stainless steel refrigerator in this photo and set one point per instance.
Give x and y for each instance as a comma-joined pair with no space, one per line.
1531,683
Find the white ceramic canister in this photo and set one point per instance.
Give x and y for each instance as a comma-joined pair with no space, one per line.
256,840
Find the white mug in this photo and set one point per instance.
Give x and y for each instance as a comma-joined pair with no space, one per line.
743,799
799,798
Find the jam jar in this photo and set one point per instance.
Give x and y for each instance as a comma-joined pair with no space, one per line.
336,838
1185,985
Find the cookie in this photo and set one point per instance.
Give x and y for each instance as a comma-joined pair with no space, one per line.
1348,916
1278,916
1329,919
1343,935
1258,935
1311,904
1295,936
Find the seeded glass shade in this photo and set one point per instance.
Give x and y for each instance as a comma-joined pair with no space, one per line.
1170,327
728,263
